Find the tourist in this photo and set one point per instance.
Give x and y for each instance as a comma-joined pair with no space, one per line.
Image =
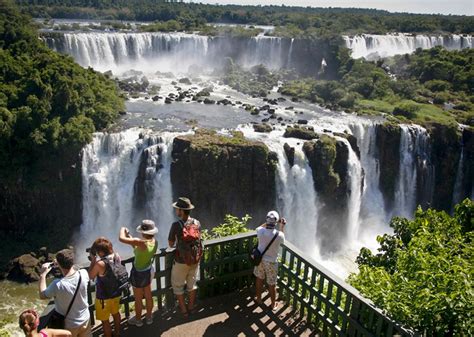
29,321
108,293
142,273
268,268
69,293
186,234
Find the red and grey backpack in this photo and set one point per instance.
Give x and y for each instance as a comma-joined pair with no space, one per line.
189,246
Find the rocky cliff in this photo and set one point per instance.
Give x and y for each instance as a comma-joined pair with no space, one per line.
223,175
42,207
328,161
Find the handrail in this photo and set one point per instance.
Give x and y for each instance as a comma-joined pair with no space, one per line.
328,302
332,305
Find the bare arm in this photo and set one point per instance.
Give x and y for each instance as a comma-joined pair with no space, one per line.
96,268
45,269
57,333
126,238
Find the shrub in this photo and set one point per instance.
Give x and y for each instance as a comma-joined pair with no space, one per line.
407,109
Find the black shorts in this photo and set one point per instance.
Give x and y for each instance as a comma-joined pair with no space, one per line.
140,279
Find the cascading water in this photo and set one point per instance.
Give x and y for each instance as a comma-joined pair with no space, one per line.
149,52
405,195
372,211
296,198
458,183
416,174
375,46
126,177
355,177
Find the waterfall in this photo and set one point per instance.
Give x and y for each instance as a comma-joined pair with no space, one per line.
372,211
355,178
125,178
296,198
149,52
416,173
290,52
371,46
405,194
458,186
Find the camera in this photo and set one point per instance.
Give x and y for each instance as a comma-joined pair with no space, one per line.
91,251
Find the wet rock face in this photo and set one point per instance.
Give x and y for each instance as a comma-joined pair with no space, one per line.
388,156
45,203
445,152
223,175
468,163
328,161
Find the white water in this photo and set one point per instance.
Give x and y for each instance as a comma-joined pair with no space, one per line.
175,52
355,177
296,197
405,195
375,46
110,167
457,190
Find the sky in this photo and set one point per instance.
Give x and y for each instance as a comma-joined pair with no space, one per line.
459,7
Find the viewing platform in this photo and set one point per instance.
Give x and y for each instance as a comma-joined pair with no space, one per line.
312,301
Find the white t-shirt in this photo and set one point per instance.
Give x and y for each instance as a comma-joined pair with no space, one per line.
264,237
63,290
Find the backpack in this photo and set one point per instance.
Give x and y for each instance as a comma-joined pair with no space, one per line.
190,243
115,280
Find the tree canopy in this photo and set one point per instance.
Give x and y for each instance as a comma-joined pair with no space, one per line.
422,274
48,103
293,21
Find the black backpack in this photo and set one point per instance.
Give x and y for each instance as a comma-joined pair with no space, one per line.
115,280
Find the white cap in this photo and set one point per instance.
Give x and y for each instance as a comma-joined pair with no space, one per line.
272,217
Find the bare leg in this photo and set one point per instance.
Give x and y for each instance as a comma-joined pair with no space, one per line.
107,328
138,293
192,299
182,304
258,290
272,291
116,324
149,301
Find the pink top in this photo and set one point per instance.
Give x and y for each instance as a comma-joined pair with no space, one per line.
43,334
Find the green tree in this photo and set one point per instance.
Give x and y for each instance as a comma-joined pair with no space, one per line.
422,274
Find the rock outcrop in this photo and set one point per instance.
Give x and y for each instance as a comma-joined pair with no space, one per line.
388,156
328,160
223,175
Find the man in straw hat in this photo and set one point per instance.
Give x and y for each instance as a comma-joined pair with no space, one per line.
186,234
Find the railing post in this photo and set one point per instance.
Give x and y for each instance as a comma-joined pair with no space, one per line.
169,297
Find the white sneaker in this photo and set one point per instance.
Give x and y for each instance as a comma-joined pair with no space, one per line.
149,321
134,321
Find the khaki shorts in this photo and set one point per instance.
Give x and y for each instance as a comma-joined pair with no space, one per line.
183,274
267,270
82,331
105,308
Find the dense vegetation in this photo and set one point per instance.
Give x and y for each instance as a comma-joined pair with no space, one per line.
292,21
49,105
422,274
409,87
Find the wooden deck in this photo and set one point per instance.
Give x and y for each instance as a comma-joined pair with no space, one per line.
229,315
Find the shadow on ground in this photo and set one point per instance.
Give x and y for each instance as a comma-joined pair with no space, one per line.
230,315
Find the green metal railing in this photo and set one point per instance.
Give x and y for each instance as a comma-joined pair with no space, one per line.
329,304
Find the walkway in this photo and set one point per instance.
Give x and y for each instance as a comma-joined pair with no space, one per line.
230,315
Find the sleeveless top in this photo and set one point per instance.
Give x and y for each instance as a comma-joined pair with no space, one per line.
143,258
113,258
43,334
